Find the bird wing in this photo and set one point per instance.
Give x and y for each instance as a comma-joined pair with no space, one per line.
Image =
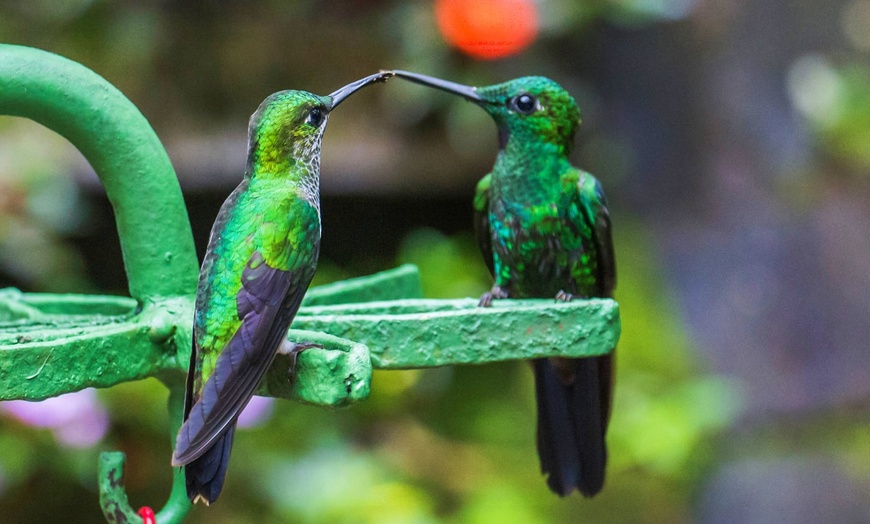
590,221
603,239
593,200
266,303
481,221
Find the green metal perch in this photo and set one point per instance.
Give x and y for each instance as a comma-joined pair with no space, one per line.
55,344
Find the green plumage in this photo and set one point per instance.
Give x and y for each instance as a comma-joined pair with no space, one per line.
544,231
261,257
273,212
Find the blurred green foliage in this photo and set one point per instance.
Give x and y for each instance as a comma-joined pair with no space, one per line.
39,205
836,101
435,445
438,445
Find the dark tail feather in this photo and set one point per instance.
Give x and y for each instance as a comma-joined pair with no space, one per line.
205,475
571,427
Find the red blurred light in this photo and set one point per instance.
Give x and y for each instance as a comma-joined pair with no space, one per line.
488,29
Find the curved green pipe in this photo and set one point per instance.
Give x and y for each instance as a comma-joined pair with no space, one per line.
126,154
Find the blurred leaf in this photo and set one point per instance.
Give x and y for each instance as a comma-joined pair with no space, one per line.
449,267
662,413
836,101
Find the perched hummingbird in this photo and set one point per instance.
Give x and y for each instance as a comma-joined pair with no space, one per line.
261,257
544,230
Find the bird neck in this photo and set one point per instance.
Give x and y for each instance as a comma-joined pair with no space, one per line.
529,168
296,168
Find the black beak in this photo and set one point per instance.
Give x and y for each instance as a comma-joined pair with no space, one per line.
339,95
467,92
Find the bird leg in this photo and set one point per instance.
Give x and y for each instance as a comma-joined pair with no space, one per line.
494,293
292,349
563,296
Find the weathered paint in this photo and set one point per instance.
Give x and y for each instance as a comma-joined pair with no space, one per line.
403,334
393,284
69,352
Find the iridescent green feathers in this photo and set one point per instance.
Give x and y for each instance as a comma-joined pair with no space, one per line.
539,241
261,257
285,130
553,119
274,212
544,231
549,236
546,228
540,230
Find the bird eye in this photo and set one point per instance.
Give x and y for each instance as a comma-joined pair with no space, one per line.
315,117
525,104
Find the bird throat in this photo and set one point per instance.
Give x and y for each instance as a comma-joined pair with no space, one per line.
527,171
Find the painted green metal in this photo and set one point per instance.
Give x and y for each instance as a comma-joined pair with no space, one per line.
113,497
394,284
399,334
60,353
55,344
333,377
428,333
100,342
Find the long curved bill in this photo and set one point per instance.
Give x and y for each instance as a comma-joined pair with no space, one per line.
340,94
467,92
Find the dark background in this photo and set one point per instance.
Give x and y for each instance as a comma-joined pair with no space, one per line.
732,138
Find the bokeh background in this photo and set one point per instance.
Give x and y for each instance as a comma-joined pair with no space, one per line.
732,138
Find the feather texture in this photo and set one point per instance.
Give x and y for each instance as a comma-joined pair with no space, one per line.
544,230
261,257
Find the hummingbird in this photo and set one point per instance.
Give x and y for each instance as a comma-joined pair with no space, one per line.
544,230
261,257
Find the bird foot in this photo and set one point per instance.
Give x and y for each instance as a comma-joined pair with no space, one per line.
562,296
292,349
494,293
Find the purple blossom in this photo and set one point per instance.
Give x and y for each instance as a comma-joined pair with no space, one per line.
257,412
77,420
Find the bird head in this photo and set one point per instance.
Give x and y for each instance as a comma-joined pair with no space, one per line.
533,107
288,126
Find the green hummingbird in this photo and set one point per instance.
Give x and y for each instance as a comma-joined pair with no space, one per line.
261,257
544,230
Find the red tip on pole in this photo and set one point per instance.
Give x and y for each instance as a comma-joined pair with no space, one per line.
147,515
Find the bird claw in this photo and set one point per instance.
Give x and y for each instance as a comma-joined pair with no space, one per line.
494,293
562,296
292,349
